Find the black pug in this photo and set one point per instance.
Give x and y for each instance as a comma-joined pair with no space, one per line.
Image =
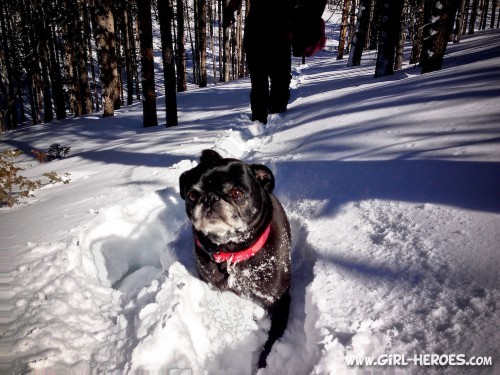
242,235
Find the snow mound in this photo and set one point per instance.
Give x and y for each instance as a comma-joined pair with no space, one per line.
190,326
425,305
71,313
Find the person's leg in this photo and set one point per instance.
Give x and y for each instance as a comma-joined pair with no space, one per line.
259,97
255,45
280,74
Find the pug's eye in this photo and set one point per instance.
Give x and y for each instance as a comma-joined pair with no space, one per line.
193,195
236,194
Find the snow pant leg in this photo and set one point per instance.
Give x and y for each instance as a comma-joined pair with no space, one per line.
256,45
259,95
280,74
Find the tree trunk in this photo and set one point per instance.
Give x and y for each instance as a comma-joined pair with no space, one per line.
165,15
35,60
211,21
466,17
221,40
30,61
226,51
459,22
181,51
436,35
419,32
10,108
118,54
398,64
498,20
56,75
202,41
128,57
343,29
106,53
484,14
239,48
133,51
473,16
351,28
389,13
76,59
359,38
193,49
374,32
48,113
147,63
93,30
494,6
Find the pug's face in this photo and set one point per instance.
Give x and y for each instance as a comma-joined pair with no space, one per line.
226,199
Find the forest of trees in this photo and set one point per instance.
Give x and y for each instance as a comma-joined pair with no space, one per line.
62,58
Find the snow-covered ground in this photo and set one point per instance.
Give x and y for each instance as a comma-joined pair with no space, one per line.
392,188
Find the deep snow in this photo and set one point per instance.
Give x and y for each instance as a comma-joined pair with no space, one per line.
392,187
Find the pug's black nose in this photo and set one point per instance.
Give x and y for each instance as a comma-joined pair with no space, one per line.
210,199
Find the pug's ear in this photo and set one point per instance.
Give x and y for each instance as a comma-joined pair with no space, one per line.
182,184
264,176
209,156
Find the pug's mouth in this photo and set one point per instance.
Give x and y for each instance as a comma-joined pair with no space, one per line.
220,228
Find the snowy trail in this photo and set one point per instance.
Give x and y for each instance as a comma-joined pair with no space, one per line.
391,187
